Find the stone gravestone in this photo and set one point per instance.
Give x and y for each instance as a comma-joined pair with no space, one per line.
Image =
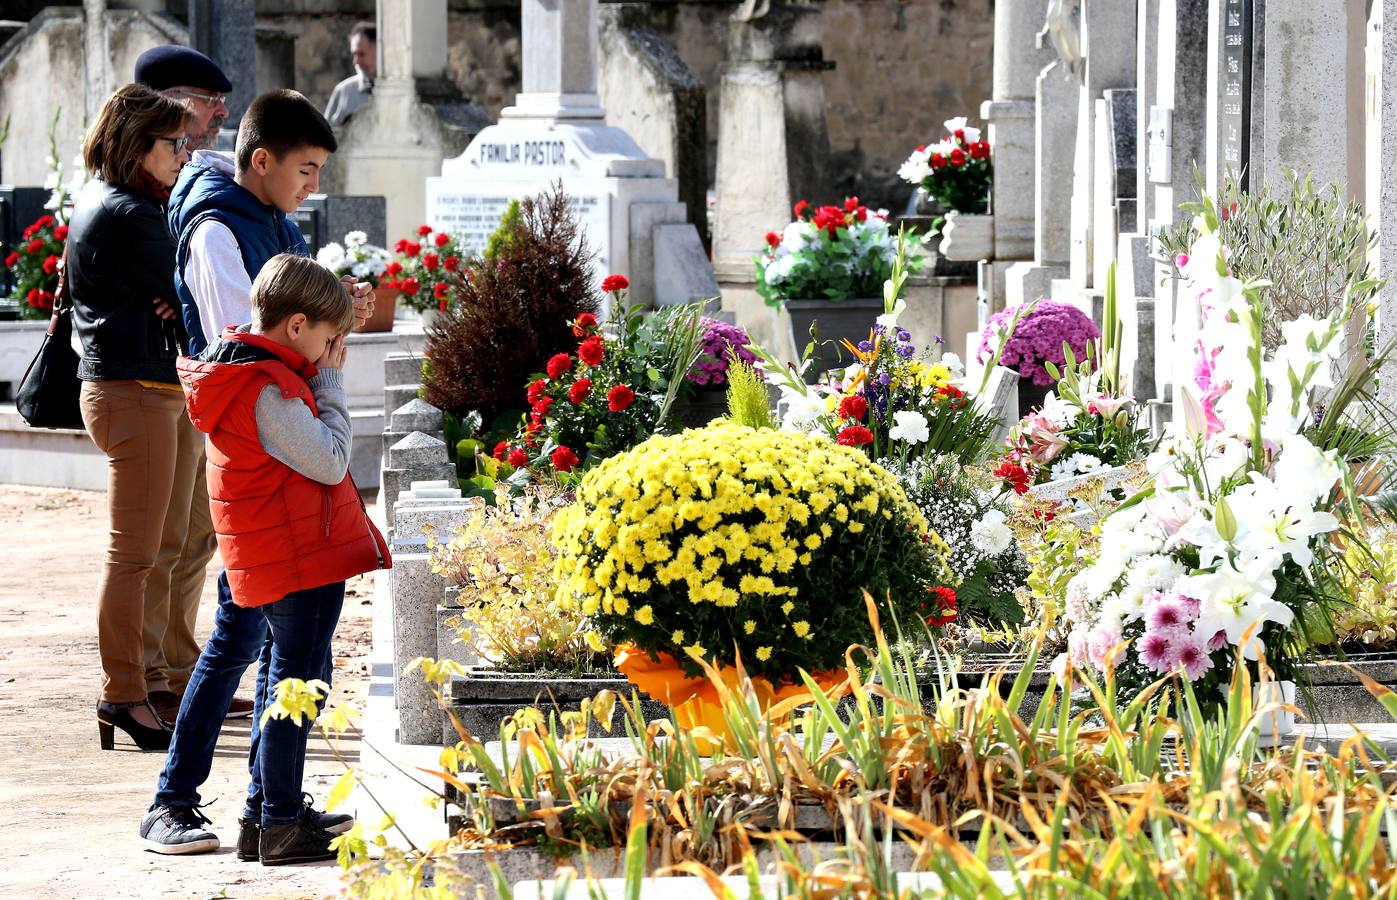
557,132
327,218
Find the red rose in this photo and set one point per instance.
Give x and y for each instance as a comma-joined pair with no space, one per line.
800,209
35,246
535,390
591,351
424,230
11,260
957,157
440,290
559,364
393,268
942,605
1017,476
32,298
773,239
938,161
442,239
51,265
31,231
44,221
614,283
579,390
564,460
543,405
45,300
518,458
400,246
410,287
853,407
861,213
431,260
452,263
501,450
959,134
60,233
851,204
854,436
413,248
619,398
979,150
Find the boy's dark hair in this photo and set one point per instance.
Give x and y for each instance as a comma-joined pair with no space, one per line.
367,29
281,121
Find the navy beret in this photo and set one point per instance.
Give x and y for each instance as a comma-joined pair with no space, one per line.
171,66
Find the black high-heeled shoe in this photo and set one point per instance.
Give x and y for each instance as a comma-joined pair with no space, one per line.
111,716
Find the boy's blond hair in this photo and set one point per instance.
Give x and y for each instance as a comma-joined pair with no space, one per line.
290,284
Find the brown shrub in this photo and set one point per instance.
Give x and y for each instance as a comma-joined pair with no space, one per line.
513,314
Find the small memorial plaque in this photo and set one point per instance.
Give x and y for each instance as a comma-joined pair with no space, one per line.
1234,88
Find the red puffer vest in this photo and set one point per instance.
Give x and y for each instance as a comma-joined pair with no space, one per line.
278,531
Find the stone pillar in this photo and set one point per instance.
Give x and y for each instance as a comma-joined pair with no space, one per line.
97,76
226,32
1386,213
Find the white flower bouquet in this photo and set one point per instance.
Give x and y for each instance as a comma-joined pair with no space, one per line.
356,257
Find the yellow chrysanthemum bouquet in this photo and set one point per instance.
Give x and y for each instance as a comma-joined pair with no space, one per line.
729,539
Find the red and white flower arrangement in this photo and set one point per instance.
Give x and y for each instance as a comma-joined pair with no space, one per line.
956,171
427,270
33,264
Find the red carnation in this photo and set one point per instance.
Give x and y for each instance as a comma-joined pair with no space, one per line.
535,390
614,283
1016,475
442,239
979,150
861,214
51,265
559,364
410,287
451,263
957,157
518,458
501,450
31,231
938,161
542,406
393,268
44,221
584,323
424,230
35,246
431,260
45,300
773,239
801,208
851,204
580,389
619,398
591,351
942,605
564,460
413,248
32,298
60,233
853,407
855,436
921,148
959,134
11,260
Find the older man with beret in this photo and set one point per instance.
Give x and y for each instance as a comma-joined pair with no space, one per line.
183,73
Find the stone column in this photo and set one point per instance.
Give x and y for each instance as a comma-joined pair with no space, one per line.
559,73
1386,213
226,32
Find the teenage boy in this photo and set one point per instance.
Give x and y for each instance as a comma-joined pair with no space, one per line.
291,528
230,218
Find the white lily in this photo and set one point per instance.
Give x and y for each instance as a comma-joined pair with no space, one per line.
1236,602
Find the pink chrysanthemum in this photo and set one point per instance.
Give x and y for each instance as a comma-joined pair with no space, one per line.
1165,614
1157,652
1191,607
1192,656
1217,641
1102,641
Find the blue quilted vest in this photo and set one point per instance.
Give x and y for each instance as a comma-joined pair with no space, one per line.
204,192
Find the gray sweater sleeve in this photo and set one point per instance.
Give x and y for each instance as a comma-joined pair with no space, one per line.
318,448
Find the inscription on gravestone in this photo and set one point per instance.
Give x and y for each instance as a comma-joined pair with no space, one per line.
1234,106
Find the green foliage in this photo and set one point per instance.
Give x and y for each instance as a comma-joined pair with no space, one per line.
1309,244
748,402
504,236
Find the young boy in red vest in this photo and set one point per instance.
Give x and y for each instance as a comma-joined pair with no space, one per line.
291,528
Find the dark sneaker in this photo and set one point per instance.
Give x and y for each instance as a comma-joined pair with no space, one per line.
177,830
299,842
249,830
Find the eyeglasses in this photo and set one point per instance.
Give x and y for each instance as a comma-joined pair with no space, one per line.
176,144
211,99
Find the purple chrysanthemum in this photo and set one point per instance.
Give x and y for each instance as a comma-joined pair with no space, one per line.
1039,338
1157,652
720,343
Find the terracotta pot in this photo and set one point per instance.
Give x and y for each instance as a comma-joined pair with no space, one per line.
385,305
839,320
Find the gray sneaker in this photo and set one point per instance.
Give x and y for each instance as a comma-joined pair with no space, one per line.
177,830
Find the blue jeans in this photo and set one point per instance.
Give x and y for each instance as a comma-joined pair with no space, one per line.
240,637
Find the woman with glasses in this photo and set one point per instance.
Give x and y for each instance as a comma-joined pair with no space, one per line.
120,267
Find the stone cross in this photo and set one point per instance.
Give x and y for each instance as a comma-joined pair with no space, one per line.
559,40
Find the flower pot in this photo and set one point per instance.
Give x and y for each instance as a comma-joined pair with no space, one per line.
1274,726
385,305
704,404
967,237
837,320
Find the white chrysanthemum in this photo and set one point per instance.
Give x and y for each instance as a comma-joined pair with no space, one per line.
356,239
990,535
331,256
1155,572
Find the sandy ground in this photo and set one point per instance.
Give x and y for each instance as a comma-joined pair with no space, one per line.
68,810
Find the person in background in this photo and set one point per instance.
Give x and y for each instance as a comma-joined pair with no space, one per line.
120,258
177,583
185,74
355,90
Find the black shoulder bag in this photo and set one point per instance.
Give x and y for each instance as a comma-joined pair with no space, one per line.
48,393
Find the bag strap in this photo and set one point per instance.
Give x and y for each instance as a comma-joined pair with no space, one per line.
62,296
